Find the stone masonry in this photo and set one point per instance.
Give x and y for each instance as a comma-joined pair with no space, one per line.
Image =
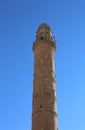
44,115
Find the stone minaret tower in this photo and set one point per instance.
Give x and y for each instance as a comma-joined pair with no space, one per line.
44,115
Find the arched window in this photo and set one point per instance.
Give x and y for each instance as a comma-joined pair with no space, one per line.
41,106
41,38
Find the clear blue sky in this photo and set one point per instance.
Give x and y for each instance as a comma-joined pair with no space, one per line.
19,20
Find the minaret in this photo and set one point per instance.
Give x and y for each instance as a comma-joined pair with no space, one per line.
44,113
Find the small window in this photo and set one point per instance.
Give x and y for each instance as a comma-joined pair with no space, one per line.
41,106
41,38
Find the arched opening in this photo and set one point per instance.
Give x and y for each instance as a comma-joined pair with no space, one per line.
41,106
41,38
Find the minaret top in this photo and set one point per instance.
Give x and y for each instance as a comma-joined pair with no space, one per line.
44,35
44,32
44,25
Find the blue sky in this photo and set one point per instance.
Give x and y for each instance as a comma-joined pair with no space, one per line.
19,20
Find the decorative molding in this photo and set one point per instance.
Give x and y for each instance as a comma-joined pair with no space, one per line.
44,42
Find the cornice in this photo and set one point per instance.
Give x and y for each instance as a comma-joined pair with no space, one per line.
44,42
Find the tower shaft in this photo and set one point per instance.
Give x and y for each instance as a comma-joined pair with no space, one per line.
44,116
